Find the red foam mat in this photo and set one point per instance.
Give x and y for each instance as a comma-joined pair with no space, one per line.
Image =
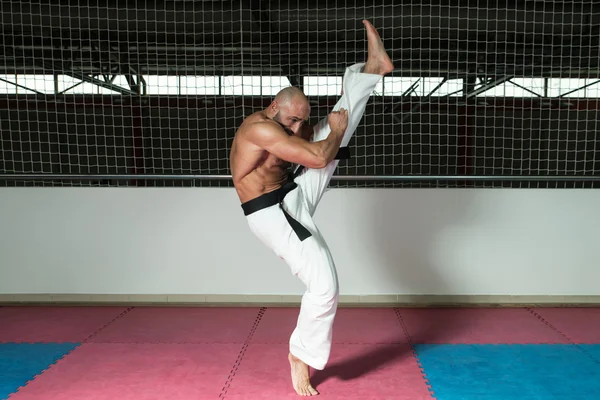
355,371
351,325
580,325
477,326
136,372
181,325
53,324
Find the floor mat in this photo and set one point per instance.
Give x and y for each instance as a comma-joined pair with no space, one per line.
22,362
355,371
54,324
477,325
351,325
580,325
180,325
136,371
533,371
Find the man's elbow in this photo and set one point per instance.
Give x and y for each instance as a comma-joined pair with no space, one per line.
318,161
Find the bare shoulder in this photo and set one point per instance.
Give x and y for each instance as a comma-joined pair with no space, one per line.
260,131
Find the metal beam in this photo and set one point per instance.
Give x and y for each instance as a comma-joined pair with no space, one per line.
369,178
406,93
22,87
427,99
583,87
489,86
69,88
526,89
220,24
60,68
133,85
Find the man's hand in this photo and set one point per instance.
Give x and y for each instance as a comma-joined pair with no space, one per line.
338,121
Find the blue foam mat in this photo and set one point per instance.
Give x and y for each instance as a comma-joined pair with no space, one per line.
593,350
503,372
21,362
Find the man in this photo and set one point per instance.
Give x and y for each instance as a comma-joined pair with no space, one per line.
279,206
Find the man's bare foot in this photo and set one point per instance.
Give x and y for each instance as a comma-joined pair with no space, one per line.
378,62
300,377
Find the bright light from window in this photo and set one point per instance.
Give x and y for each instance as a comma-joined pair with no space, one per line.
323,85
198,85
162,84
313,86
6,87
271,85
240,85
560,86
37,83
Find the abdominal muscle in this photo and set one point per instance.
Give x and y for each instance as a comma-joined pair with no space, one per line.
263,179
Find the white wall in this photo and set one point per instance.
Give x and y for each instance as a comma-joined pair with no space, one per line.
385,241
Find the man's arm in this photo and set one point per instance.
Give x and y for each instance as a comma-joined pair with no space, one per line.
273,139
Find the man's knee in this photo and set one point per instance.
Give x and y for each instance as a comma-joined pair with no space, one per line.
317,271
326,289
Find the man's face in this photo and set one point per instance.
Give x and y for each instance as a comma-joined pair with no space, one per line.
292,115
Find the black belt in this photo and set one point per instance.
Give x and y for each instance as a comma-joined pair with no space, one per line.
277,196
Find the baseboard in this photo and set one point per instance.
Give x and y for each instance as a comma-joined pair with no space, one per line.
294,300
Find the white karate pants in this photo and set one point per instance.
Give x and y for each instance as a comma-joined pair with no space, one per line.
310,260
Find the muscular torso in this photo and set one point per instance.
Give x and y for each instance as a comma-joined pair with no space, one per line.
254,170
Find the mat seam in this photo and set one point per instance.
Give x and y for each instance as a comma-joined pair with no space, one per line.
414,353
51,365
87,339
572,342
242,352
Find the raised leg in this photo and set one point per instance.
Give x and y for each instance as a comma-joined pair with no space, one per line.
358,84
357,88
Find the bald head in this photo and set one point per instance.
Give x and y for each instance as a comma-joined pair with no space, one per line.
290,108
290,93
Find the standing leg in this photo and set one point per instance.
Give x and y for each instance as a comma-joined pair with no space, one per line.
311,339
311,261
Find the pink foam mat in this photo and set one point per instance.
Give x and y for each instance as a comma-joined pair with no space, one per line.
352,325
180,325
136,371
54,324
478,326
276,325
355,371
580,325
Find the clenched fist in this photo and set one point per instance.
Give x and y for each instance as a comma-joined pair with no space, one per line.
338,121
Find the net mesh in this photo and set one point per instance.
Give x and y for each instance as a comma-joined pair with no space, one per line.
483,93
